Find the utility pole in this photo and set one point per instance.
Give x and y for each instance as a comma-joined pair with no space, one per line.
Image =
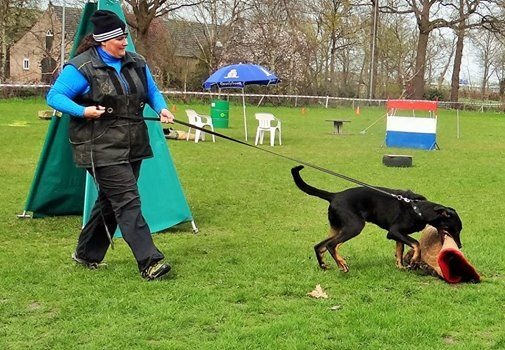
371,87
62,51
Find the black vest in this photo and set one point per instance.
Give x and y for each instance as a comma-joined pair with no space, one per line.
120,134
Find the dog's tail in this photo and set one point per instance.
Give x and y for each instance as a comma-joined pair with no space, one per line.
305,187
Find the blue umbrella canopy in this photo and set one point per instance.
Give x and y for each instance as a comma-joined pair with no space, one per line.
240,75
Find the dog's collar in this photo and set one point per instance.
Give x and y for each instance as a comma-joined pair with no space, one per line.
412,203
416,209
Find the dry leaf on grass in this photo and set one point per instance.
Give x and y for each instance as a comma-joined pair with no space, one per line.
318,293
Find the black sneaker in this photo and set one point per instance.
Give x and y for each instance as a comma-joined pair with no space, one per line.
156,271
90,265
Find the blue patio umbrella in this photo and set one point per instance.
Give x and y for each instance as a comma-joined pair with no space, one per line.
238,76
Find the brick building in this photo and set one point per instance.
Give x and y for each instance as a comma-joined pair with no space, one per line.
35,58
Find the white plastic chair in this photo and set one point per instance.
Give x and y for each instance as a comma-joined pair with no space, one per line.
267,122
201,121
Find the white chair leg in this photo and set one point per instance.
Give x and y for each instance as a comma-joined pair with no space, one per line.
197,135
187,135
257,137
262,133
280,142
272,137
213,137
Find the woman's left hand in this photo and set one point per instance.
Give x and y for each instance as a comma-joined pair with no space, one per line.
166,116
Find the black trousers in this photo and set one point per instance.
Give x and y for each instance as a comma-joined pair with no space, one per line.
118,203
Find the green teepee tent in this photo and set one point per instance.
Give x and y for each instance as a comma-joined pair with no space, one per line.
60,188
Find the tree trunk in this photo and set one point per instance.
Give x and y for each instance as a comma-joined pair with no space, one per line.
3,39
143,24
3,55
457,66
485,75
483,88
441,77
487,51
458,55
333,51
418,79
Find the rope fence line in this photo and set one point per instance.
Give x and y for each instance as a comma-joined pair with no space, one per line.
324,100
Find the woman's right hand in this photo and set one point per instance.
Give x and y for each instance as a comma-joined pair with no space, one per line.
93,112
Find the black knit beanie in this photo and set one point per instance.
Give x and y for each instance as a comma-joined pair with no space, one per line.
107,25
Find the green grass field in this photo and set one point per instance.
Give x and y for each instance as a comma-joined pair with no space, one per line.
242,282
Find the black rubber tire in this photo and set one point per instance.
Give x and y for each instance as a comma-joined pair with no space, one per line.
395,160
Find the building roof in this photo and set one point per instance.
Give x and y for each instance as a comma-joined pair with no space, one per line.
72,18
186,37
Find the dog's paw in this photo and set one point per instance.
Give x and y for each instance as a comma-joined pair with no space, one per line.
414,265
400,264
343,267
324,266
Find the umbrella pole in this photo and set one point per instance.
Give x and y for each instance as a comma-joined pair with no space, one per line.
245,119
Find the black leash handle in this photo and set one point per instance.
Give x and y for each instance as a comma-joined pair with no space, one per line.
342,176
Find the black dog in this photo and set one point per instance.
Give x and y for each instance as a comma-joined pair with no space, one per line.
350,209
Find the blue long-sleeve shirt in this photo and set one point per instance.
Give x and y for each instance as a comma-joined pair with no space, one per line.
71,83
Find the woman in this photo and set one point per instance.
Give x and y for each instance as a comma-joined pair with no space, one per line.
104,88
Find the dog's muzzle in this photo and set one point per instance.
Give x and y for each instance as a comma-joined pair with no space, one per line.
442,233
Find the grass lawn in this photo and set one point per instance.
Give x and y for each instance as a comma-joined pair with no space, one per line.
242,282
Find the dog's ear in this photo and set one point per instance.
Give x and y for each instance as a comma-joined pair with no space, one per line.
443,211
412,195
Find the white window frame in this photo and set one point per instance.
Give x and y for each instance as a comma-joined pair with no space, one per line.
26,63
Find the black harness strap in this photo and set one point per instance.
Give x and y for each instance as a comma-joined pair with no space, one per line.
131,84
142,74
115,81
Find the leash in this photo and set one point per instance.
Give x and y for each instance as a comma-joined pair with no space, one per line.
107,231
342,176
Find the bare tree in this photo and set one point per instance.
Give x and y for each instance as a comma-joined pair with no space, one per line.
432,14
160,48
335,29
16,17
439,56
271,38
4,14
145,11
460,30
498,64
446,49
484,14
396,53
222,23
489,51
429,15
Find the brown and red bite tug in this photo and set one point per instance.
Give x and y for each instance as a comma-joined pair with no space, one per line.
442,257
